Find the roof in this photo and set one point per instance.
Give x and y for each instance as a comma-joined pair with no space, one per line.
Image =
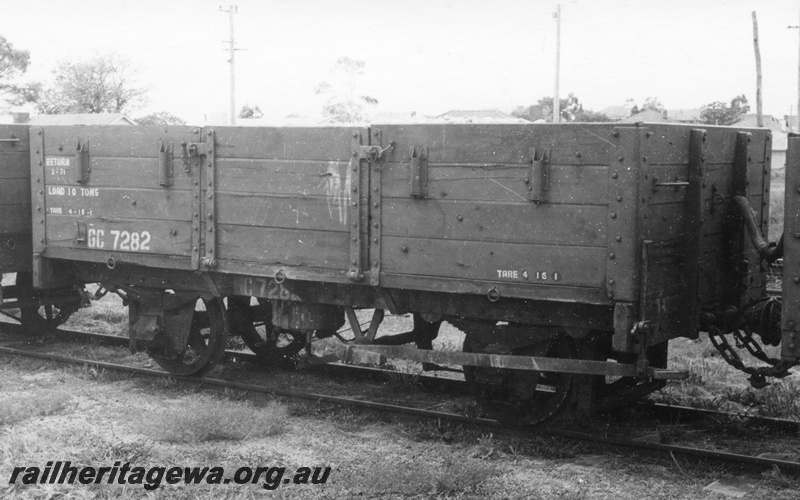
648,115
475,113
82,119
750,120
684,115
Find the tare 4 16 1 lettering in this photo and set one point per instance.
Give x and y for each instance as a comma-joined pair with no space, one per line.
525,275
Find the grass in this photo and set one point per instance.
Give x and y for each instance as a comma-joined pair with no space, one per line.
20,406
204,419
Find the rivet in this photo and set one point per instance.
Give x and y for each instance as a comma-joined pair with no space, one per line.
354,262
578,154
460,218
375,225
38,179
40,164
614,175
210,215
196,183
194,249
404,249
210,196
355,135
619,238
37,151
621,159
797,235
195,195
355,153
611,256
619,197
611,282
790,324
650,134
375,240
615,133
702,157
375,263
376,204
38,209
174,232
211,230
133,203
355,239
797,279
644,158
355,189
194,227
613,215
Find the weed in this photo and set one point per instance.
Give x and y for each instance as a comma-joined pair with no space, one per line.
486,448
18,407
403,377
453,477
210,420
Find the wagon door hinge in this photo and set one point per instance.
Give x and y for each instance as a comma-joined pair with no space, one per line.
200,155
365,206
82,166
419,171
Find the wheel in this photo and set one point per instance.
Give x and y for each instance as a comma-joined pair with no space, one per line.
254,324
521,396
205,345
38,320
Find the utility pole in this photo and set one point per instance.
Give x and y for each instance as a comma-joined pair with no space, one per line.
759,109
798,82
232,49
556,99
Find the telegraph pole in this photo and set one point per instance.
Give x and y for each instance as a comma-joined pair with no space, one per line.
556,100
798,81
232,50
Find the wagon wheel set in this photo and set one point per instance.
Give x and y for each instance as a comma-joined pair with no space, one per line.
38,311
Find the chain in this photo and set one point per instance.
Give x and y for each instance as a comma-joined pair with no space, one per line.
744,338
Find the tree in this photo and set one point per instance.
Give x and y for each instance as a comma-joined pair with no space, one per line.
719,113
543,109
161,119
591,116
343,99
13,64
652,103
249,111
103,84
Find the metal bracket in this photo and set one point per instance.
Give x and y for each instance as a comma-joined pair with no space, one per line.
355,272
538,179
165,157
419,171
38,201
677,183
13,140
80,227
82,166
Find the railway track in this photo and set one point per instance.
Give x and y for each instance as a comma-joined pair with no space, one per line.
604,441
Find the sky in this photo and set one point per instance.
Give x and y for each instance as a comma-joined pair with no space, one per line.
428,56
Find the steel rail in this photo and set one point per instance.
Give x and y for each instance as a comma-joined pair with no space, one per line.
658,410
792,468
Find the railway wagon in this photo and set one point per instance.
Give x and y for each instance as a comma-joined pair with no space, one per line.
39,310
568,254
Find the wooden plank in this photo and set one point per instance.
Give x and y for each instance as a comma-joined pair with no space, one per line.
541,224
15,165
568,183
131,172
323,249
115,141
152,236
669,144
506,262
95,256
289,143
665,222
575,144
119,203
549,293
290,212
15,219
282,177
15,192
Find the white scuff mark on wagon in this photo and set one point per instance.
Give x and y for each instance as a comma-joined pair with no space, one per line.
337,192
507,189
597,135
